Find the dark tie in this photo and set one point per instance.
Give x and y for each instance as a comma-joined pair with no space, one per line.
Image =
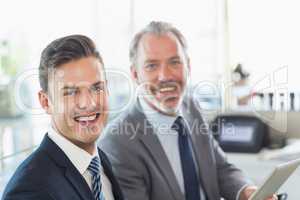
94,168
191,183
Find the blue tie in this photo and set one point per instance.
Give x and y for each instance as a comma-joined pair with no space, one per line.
94,168
191,183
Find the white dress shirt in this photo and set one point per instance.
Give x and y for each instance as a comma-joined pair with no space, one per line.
81,160
162,125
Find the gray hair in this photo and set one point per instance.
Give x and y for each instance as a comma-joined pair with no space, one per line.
158,28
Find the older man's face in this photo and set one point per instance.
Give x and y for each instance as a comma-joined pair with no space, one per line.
161,70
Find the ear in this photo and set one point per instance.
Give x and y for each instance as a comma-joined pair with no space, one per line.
134,73
106,87
188,65
45,101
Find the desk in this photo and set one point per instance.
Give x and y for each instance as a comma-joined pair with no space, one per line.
258,170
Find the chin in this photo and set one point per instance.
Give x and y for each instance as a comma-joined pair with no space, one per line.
92,132
91,139
169,109
172,104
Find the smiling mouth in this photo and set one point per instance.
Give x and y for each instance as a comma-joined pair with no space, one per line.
167,89
87,119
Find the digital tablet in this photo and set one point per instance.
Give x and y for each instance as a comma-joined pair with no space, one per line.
280,174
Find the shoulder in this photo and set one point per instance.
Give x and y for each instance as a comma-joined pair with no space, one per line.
190,103
125,127
103,157
30,175
34,165
121,138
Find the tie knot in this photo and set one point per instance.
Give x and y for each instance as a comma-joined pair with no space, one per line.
179,126
94,166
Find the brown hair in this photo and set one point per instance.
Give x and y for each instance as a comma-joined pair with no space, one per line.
62,51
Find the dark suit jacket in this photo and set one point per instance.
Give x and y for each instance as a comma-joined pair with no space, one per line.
48,174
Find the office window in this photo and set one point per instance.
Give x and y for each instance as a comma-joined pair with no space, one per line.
264,37
199,22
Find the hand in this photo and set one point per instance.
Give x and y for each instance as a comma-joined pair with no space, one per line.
249,190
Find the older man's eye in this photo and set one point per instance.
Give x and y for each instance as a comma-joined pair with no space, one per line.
70,92
175,62
151,66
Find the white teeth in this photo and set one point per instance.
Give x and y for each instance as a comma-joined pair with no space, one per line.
167,89
89,118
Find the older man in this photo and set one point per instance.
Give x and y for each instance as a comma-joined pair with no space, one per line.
159,148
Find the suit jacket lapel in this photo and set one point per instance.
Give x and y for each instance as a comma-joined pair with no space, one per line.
118,195
149,139
71,173
205,163
78,182
201,142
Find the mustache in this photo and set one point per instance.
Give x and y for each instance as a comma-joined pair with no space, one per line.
168,84
163,84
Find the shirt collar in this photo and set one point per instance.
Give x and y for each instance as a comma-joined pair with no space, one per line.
157,119
79,157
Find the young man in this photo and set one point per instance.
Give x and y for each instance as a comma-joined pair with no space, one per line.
159,147
68,165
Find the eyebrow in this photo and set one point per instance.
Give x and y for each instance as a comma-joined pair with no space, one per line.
151,61
98,83
174,57
68,87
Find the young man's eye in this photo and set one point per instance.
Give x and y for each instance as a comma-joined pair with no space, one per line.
98,88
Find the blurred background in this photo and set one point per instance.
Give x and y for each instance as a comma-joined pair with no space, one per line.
243,58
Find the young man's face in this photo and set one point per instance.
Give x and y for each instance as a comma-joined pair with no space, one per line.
161,69
77,100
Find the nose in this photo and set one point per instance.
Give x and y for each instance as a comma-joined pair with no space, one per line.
164,73
85,100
